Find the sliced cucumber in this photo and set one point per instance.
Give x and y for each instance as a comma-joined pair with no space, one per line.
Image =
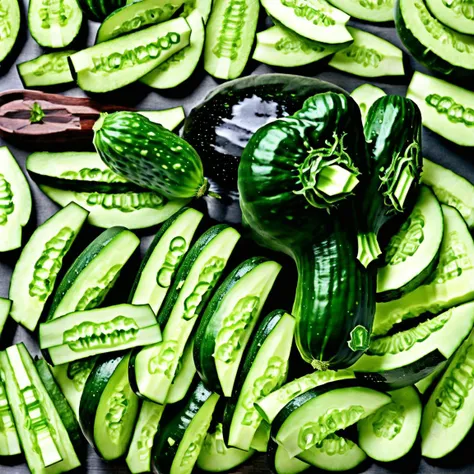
406,357
154,367
448,415
334,453
230,34
279,46
9,26
139,453
215,456
316,20
109,407
44,439
5,307
184,377
178,445
36,270
169,118
314,415
272,404
98,331
181,65
431,43
46,70
135,16
449,285
391,432
424,384
55,23
457,14
121,61
204,7
261,438
281,463
134,210
15,201
369,56
264,370
450,189
365,95
9,441
229,320
446,109
375,11
413,253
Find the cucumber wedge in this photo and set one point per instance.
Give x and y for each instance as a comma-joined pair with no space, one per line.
261,438
279,46
391,432
413,252
36,270
281,463
365,95
375,11
116,63
5,307
9,441
184,377
446,109
15,201
181,65
316,20
229,320
456,14
369,56
136,16
230,34
9,26
46,70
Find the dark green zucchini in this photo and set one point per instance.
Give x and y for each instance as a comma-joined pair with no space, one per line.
150,156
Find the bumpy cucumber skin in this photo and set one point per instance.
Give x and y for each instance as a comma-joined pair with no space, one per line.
155,158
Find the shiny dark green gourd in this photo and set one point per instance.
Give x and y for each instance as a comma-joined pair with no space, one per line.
149,155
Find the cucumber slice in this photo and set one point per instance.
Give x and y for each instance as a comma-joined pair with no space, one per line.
334,453
424,384
109,408
431,43
139,453
316,20
229,320
230,34
5,307
391,432
163,257
45,441
272,404
46,70
406,357
9,441
134,210
153,368
314,415
98,331
15,201
184,377
9,26
278,46
261,438
446,109
36,270
365,95
456,14
181,65
413,253
178,445
121,61
204,7
375,11
448,415
169,118
136,16
448,286
54,24
264,370
281,463
451,189
215,456
369,56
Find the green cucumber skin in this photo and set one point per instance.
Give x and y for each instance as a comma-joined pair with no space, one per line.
162,453
91,252
205,338
62,406
95,386
175,171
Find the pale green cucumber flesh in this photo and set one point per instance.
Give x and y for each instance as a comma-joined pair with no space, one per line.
169,118
184,377
283,464
261,438
374,11
5,308
365,95
11,13
455,14
9,441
